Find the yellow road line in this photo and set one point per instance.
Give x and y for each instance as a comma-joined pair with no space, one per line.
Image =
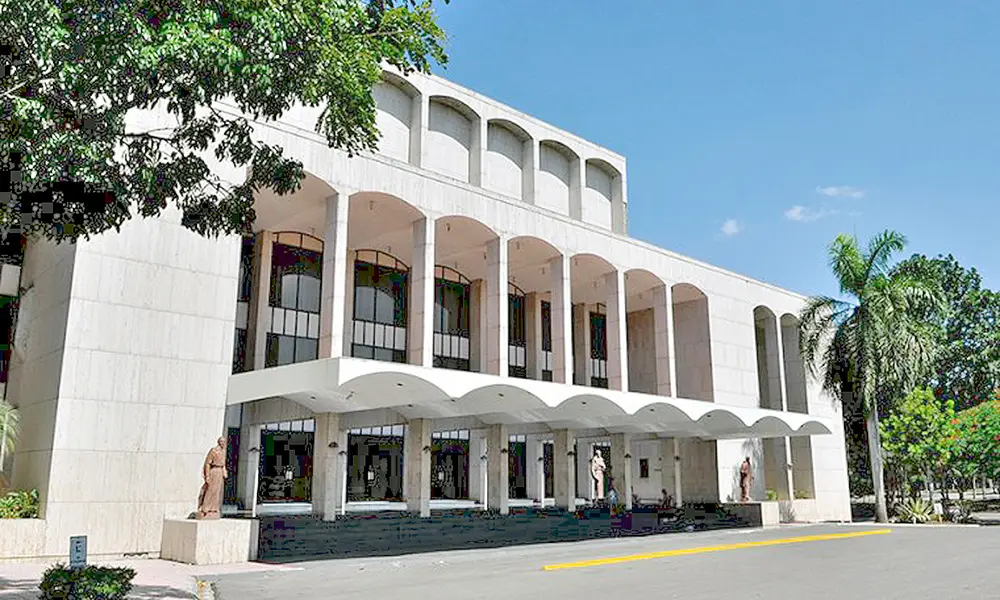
703,549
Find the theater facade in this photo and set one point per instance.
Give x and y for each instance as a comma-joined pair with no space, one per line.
457,319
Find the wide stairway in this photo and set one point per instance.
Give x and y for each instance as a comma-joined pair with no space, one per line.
296,538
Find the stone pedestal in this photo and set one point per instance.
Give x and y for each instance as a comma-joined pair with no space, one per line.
756,514
209,542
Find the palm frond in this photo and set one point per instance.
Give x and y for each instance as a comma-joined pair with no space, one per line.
880,251
848,264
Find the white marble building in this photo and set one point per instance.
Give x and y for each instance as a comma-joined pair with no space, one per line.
470,286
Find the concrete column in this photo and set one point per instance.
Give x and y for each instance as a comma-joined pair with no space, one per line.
349,304
479,318
421,318
619,205
498,312
661,339
621,467
666,447
535,462
328,479
484,472
678,488
498,466
583,367
529,171
785,446
249,469
477,448
587,487
259,322
533,335
477,153
562,321
671,344
331,328
577,183
564,477
418,128
417,448
617,331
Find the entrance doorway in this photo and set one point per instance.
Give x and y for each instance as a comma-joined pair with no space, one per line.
517,468
547,462
375,464
450,465
286,462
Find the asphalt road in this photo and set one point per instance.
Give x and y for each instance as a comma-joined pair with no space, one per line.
953,563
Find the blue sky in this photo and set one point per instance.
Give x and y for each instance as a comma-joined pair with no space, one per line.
757,131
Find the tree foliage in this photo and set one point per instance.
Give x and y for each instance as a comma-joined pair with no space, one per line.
976,444
967,368
871,347
918,436
70,72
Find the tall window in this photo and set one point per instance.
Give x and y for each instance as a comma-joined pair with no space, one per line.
379,330
517,333
451,319
546,341
243,294
296,273
599,348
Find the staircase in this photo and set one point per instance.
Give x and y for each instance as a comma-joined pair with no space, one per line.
296,538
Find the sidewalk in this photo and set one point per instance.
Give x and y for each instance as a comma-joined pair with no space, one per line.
154,579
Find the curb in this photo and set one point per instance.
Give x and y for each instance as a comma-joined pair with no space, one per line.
920,525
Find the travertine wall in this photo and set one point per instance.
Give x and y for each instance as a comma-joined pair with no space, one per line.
641,351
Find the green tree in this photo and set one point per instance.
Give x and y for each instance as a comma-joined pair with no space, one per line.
977,444
872,348
71,71
967,369
918,435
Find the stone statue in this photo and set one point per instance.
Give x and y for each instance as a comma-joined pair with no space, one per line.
597,468
213,473
746,480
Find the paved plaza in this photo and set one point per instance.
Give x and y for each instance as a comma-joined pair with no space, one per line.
815,561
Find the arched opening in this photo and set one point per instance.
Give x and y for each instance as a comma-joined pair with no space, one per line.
450,135
769,387
294,299
380,242
394,107
599,194
468,325
530,271
647,331
692,343
507,147
556,164
592,281
517,332
803,476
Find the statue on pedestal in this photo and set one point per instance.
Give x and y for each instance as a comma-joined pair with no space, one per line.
213,473
746,480
597,468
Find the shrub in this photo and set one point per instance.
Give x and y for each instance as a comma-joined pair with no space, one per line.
772,495
915,511
88,583
802,495
19,504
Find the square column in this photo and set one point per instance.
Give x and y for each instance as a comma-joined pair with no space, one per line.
529,170
621,467
671,344
329,458
562,321
535,463
577,183
533,335
498,467
662,337
420,335
583,366
498,313
417,457
784,444
249,467
259,321
564,477
479,320
617,332
678,488
419,114
477,466
334,285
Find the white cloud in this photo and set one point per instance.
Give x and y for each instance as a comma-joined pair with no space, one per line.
806,215
731,227
841,191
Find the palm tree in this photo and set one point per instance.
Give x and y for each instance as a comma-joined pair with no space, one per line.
877,344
